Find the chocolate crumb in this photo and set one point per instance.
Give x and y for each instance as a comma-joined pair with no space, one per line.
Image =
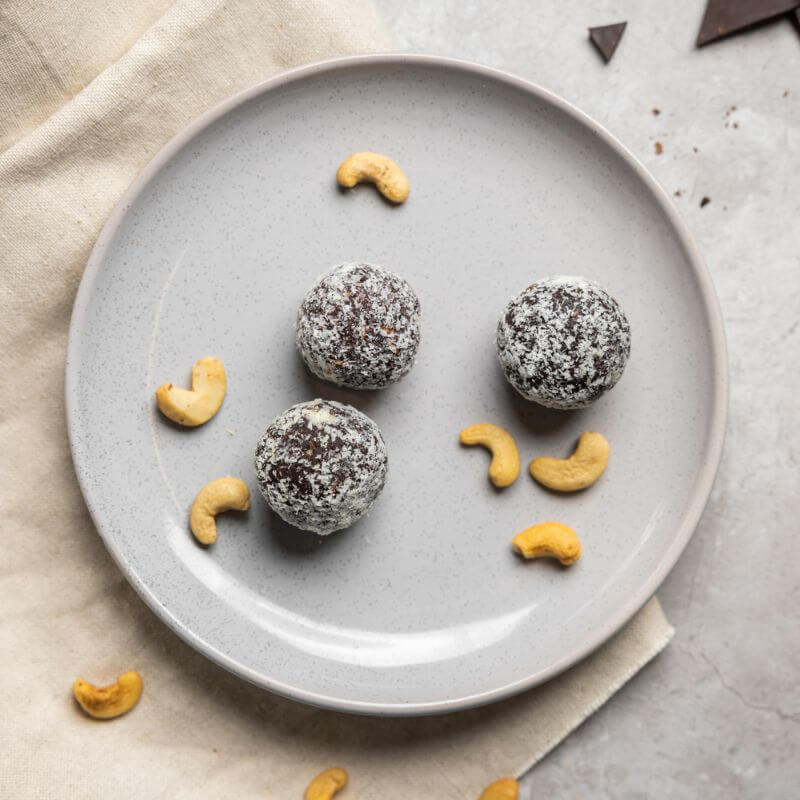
695,150
735,124
704,202
785,92
659,148
656,112
678,193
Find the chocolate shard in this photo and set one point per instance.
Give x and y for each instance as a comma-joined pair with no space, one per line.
606,38
724,17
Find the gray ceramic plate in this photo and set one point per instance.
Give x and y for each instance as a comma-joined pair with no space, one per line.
422,606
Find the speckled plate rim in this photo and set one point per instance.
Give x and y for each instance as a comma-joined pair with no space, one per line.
705,478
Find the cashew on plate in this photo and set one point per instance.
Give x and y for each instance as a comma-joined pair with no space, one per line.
548,539
223,494
366,167
504,467
107,702
580,470
195,406
326,784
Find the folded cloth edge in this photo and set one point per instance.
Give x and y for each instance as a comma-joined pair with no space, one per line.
648,632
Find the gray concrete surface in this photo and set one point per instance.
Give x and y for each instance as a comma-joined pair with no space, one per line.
718,714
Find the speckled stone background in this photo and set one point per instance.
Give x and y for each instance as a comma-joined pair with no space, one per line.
717,715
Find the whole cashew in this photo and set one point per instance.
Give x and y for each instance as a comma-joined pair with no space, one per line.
504,469
220,495
580,470
326,784
192,407
504,789
387,176
106,702
548,539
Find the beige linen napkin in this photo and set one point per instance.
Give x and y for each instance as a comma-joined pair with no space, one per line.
89,91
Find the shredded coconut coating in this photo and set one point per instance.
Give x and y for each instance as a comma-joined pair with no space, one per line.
321,465
358,326
563,342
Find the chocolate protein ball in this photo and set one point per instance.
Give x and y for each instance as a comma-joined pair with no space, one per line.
321,465
358,326
563,342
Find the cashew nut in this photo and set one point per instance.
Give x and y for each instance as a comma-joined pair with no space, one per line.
504,789
548,539
387,176
504,469
326,784
580,470
192,407
106,702
220,495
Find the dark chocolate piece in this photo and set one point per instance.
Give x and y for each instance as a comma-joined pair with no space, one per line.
704,202
724,17
606,38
